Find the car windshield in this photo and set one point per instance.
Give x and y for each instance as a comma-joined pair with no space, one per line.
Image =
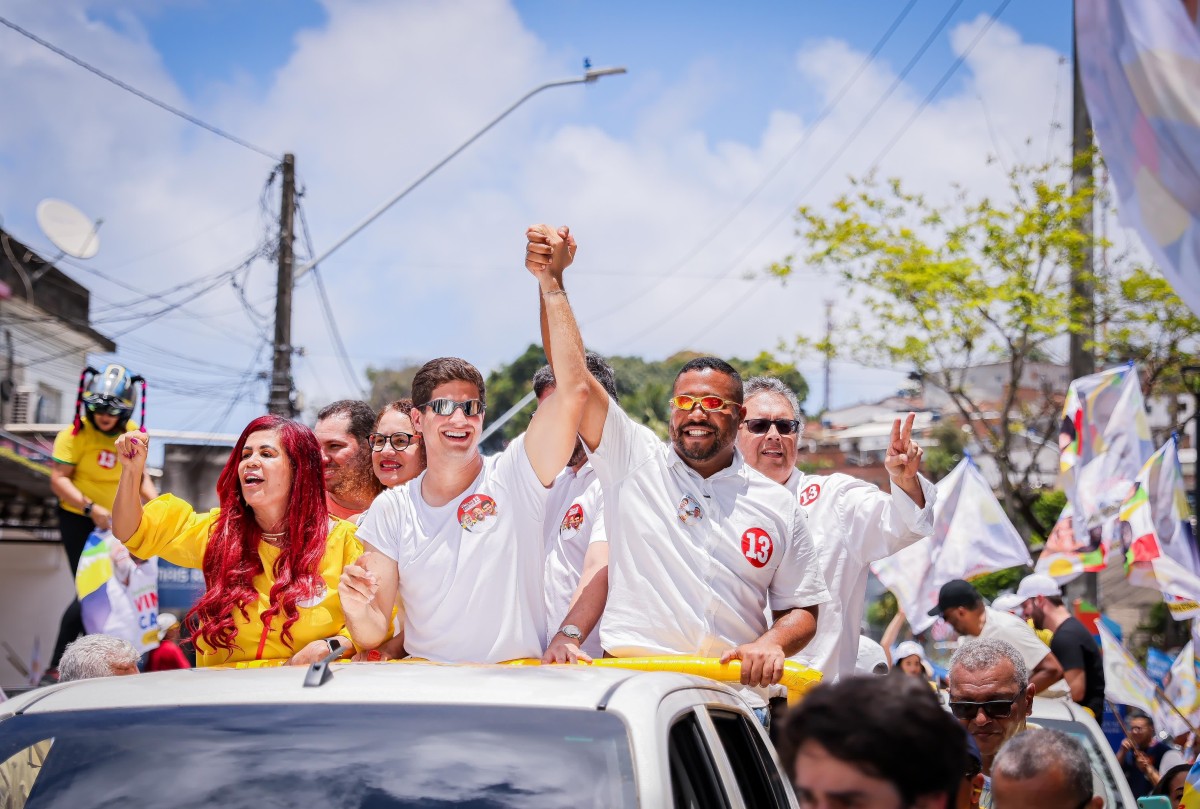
329,756
1099,763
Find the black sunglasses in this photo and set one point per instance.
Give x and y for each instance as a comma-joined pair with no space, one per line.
399,441
992,709
106,409
762,426
446,407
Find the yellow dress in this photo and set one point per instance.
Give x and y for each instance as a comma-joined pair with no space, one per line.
170,528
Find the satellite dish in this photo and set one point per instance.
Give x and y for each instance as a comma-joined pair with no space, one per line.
68,228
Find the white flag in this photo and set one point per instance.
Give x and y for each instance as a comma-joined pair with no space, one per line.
1180,688
1137,62
1127,683
971,535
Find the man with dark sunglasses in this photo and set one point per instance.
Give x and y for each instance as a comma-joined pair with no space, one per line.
853,523
463,541
990,696
698,581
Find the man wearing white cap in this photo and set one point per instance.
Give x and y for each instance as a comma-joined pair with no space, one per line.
1072,644
1010,603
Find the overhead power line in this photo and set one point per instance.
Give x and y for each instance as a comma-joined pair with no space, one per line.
816,178
933,93
774,171
327,310
191,119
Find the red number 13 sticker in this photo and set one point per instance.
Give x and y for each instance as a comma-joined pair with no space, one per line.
757,546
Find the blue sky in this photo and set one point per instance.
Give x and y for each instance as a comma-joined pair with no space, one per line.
369,93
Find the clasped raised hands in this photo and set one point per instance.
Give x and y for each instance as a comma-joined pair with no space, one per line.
549,251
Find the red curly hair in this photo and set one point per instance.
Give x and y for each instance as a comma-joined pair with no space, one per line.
231,560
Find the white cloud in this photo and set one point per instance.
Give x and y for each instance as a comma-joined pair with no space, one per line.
384,90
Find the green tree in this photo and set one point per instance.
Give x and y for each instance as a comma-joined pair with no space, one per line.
505,387
945,451
1145,321
390,384
943,288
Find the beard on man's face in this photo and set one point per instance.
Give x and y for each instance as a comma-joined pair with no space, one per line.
355,480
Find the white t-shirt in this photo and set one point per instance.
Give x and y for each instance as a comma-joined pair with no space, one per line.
693,561
470,571
853,523
574,520
1006,626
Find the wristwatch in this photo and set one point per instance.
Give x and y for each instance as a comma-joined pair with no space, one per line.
572,632
334,644
87,508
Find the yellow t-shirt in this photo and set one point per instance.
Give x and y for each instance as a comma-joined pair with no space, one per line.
170,528
94,456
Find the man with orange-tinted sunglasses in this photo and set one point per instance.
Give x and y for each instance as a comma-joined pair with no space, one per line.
697,580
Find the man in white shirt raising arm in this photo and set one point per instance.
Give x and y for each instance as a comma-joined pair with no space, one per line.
463,541
699,542
853,523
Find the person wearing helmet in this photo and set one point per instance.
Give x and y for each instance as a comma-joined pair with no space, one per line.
85,472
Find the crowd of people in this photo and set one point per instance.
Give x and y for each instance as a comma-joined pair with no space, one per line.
388,534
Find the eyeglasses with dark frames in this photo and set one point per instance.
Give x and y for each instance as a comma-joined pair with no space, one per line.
399,441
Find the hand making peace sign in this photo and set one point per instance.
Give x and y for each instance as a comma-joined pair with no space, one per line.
903,459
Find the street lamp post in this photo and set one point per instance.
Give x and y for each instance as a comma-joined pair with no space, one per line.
588,77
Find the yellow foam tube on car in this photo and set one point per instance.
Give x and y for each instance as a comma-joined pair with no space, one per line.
797,678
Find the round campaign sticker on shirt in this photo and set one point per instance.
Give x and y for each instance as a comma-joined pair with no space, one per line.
689,510
572,522
809,494
320,593
757,547
106,459
477,514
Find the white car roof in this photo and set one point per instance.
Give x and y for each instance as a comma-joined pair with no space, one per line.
580,687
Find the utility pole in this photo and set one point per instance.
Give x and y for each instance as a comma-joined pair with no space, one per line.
1082,270
1083,314
828,357
280,402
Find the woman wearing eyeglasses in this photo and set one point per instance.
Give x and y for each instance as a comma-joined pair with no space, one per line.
395,448
84,476
271,553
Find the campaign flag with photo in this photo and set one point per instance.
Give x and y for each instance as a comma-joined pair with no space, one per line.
1138,65
971,535
1105,440
1062,557
1125,682
1180,687
118,595
1155,534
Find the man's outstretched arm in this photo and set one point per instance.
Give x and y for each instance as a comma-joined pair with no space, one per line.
550,440
591,424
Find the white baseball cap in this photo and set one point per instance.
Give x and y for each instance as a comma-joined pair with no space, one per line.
165,621
871,659
909,648
1008,602
1038,584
